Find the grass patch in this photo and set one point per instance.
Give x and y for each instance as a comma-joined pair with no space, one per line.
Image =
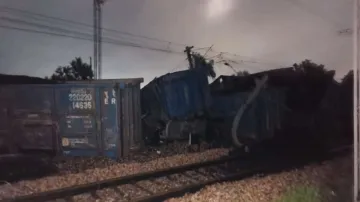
301,194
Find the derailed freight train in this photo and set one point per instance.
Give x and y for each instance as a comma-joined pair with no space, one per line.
233,110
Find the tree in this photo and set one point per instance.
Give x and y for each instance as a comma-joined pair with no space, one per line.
308,68
242,73
347,93
313,83
348,80
77,70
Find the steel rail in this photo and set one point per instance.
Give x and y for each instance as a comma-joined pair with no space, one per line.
262,168
250,165
94,186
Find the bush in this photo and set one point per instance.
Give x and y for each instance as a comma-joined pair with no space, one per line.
301,194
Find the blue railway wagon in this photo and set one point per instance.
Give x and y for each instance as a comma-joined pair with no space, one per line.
181,94
80,118
176,99
248,117
110,127
184,94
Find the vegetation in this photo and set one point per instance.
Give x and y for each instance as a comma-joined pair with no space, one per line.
77,70
304,95
242,73
301,194
310,68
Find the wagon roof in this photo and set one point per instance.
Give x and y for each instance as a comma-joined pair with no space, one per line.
126,81
22,79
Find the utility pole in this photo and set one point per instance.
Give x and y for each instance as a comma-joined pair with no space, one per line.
91,64
356,61
95,16
356,99
97,38
188,54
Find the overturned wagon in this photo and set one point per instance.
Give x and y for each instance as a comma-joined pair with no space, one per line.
80,118
245,115
247,110
174,105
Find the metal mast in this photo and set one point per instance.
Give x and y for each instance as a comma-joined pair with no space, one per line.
97,38
95,68
356,100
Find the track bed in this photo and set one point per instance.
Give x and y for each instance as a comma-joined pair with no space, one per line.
37,165
162,184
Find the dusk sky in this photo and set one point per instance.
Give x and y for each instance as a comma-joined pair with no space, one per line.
264,34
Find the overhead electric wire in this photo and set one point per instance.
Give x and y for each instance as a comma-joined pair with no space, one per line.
222,55
47,17
209,49
5,8
197,49
12,20
42,32
255,62
60,22
221,58
84,38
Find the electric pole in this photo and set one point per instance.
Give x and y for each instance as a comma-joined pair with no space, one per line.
188,54
356,99
97,38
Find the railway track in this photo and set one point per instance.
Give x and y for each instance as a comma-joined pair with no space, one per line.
163,184
29,166
23,166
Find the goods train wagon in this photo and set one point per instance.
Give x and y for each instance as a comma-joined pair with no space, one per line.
175,105
247,110
245,117
80,118
239,110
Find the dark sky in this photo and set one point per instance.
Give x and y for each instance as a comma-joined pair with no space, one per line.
264,34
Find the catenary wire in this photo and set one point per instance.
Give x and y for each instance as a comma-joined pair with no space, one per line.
7,9
29,13
83,38
106,40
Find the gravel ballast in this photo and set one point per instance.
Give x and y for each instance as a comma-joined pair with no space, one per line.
68,165
333,178
38,165
91,175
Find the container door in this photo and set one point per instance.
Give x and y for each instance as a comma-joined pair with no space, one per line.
78,120
109,123
32,119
